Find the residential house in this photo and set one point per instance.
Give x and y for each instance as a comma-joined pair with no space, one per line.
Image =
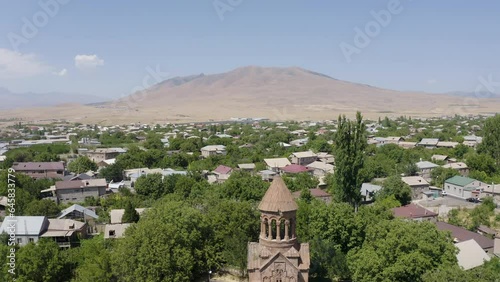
78,190
461,167
39,170
294,169
267,175
425,168
66,232
368,191
441,158
222,173
299,142
462,187
276,164
115,231
99,155
417,184
407,144
460,234
77,212
247,167
116,215
472,141
470,255
429,143
213,150
325,157
27,229
135,173
394,140
320,168
303,158
106,163
414,212
446,144
317,193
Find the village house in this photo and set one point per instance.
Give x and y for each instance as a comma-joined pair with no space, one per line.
440,158
99,155
303,158
462,187
116,215
28,229
425,168
407,144
429,143
250,167
276,164
213,150
470,254
414,212
39,170
294,169
221,173
115,231
460,234
461,167
78,190
368,191
446,144
325,157
417,184
77,212
472,141
66,232
317,193
320,169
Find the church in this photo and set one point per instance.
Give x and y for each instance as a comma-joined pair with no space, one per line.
278,256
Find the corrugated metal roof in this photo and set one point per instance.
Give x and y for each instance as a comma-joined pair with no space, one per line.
460,180
25,225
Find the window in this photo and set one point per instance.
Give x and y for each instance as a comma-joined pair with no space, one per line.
19,240
111,233
31,240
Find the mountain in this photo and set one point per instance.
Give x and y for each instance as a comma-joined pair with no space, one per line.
269,92
11,100
479,95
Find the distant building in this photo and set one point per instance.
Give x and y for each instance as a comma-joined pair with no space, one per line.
461,167
76,191
276,164
460,234
303,158
316,193
425,168
213,150
414,212
428,142
99,155
28,229
462,187
39,170
368,191
417,184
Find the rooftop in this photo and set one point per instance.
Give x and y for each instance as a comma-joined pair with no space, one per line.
461,234
460,180
278,198
412,211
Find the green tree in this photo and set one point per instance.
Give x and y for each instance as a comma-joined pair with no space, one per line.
350,143
394,186
130,215
42,262
113,173
180,233
150,185
82,164
94,263
399,250
45,207
491,139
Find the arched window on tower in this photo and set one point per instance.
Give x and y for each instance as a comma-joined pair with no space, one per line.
273,229
282,229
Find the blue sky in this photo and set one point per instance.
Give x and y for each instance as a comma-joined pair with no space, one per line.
433,46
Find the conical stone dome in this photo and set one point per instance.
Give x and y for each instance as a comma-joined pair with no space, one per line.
278,198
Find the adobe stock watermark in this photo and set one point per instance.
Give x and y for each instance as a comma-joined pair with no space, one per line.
140,92
486,88
12,221
31,26
223,6
364,36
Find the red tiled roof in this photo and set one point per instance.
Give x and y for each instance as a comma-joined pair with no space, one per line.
294,168
462,234
412,211
222,169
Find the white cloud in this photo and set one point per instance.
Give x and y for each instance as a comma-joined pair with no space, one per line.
88,61
17,65
63,72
